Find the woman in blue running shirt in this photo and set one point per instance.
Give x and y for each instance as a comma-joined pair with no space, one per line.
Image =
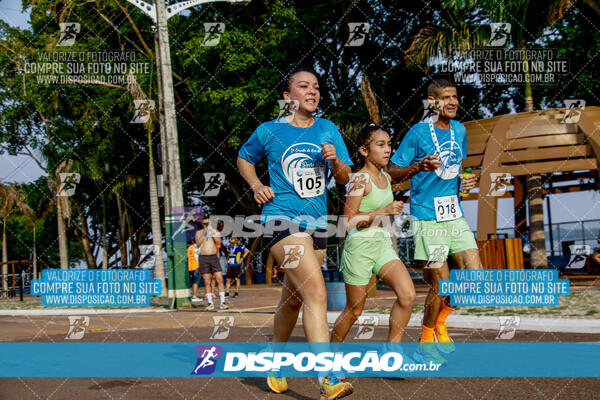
302,152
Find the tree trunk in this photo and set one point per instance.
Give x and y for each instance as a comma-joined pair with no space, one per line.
529,107
593,5
537,235
34,256
134,252
370,100
4,258
88,253
63,250
535,197
159,266
104,236
122,231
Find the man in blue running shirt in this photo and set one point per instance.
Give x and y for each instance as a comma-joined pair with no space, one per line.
431,155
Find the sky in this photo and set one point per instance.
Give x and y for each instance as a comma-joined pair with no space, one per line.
10,12
16,168
565,207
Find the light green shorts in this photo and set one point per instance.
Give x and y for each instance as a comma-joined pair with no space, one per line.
365,255
433,238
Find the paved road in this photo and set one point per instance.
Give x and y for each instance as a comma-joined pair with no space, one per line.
197,327
299,388
253,313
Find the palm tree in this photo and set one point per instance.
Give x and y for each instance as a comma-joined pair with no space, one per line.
138,94
39,210
8,196
462,21
12,197
63,210
22,205
529,19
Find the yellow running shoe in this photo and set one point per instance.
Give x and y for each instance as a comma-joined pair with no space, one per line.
444,343
276,382
333,388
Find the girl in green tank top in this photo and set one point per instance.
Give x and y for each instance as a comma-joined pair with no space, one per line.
368,247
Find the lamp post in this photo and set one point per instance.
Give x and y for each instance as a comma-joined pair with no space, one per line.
160,13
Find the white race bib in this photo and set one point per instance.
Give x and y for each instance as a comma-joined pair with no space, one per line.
446,208
309,182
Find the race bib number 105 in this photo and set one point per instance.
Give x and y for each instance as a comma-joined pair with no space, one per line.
446,208
309,182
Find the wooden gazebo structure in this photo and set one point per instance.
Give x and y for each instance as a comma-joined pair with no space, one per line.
530,143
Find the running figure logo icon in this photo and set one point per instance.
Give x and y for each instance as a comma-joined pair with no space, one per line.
358,33
68,33
212,33
578,254
143,109
500,181
573,109
437,255
212,183
508,327
222,326
431,110
500,32
287,109
182,219
358,183
68,183
207,359
366,327
148,254
77,327
292,253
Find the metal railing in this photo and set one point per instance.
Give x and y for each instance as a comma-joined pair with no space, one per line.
330,266
18,278
565,234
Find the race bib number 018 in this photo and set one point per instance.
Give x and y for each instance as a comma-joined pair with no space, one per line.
446,208
309,182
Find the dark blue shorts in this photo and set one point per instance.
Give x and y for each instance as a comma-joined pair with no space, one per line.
196,276
283,228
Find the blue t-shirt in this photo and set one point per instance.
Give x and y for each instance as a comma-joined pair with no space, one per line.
424,186
298,173
235,255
